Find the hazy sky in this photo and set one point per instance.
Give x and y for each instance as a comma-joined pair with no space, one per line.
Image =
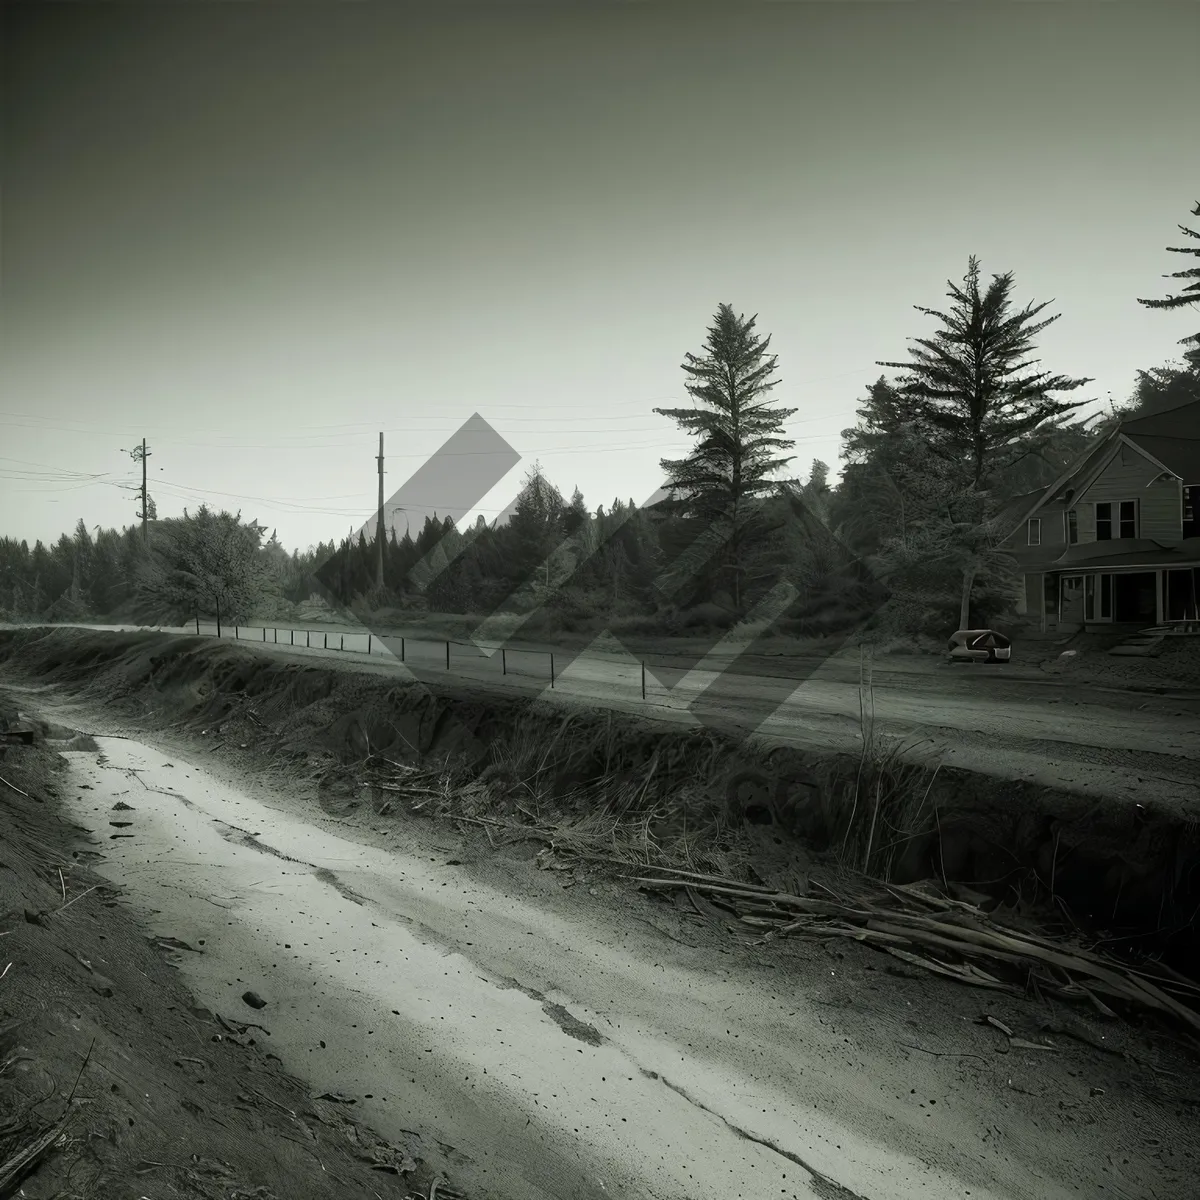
256,235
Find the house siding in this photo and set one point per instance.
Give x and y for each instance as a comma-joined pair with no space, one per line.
1128,477
1037,558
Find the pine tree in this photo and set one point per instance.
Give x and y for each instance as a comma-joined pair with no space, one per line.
1189,295
576,514
1162,388
971,384
738,432
535,530
970,381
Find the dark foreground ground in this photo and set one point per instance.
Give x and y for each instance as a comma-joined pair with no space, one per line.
114,1084
1069,1102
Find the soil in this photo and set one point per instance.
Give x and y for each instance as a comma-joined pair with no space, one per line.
130,1088
1049,729
1107,1108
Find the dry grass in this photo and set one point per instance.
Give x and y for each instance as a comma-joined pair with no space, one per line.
527,790
888,804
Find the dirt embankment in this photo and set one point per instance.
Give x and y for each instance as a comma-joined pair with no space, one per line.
1124,871
113,1084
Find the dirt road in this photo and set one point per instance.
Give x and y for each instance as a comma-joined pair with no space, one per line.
567,1046
1102,742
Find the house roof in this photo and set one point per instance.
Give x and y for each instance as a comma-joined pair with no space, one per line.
1140,552
1171,436
1182,421
1178,454
1089,464
1012,509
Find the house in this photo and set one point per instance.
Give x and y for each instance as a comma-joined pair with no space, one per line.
1116,539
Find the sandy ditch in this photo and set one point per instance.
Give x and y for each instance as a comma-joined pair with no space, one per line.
359,926
587,1090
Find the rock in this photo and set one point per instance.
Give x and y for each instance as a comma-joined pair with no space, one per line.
254,1000
101,985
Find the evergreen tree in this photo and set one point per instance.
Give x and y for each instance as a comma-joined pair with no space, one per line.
1161,388
1188,295
576,515
971,384
738,430
535,531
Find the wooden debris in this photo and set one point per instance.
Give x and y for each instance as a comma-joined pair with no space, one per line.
24,1160
948,937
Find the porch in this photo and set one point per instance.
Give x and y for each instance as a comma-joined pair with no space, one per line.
1135,597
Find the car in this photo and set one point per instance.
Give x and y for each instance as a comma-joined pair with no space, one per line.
979,645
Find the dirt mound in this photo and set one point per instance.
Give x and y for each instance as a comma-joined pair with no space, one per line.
1123,870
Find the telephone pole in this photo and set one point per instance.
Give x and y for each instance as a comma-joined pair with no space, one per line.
379,524
145,510
142,453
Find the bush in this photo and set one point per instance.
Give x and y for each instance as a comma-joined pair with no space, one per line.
708,616
545,621
635,625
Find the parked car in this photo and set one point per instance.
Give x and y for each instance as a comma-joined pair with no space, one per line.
979,645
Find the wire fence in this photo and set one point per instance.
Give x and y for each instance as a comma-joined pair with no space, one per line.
384,645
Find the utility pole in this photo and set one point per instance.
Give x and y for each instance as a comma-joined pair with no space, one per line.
142,453
145,511
379,524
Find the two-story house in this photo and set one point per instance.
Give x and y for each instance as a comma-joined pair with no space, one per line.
1115,540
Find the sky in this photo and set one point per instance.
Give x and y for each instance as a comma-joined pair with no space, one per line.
258,235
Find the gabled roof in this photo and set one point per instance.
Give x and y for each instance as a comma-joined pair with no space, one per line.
1080,473
1013,509
1182,421
1179,455
1171,436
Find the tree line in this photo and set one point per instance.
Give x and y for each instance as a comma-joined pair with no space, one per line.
908,542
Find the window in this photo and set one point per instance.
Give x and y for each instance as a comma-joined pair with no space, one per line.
1097,588
1128,517
1124,519
1191,510
1035,531
1072,527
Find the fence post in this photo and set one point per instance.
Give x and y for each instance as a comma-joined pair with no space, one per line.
643,679
503,661
308,639
343,645
292,637
368,643
326,640
197,624
264,633
401,649
447,656
237,633
551,668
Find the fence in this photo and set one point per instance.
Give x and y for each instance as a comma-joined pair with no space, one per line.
378,640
